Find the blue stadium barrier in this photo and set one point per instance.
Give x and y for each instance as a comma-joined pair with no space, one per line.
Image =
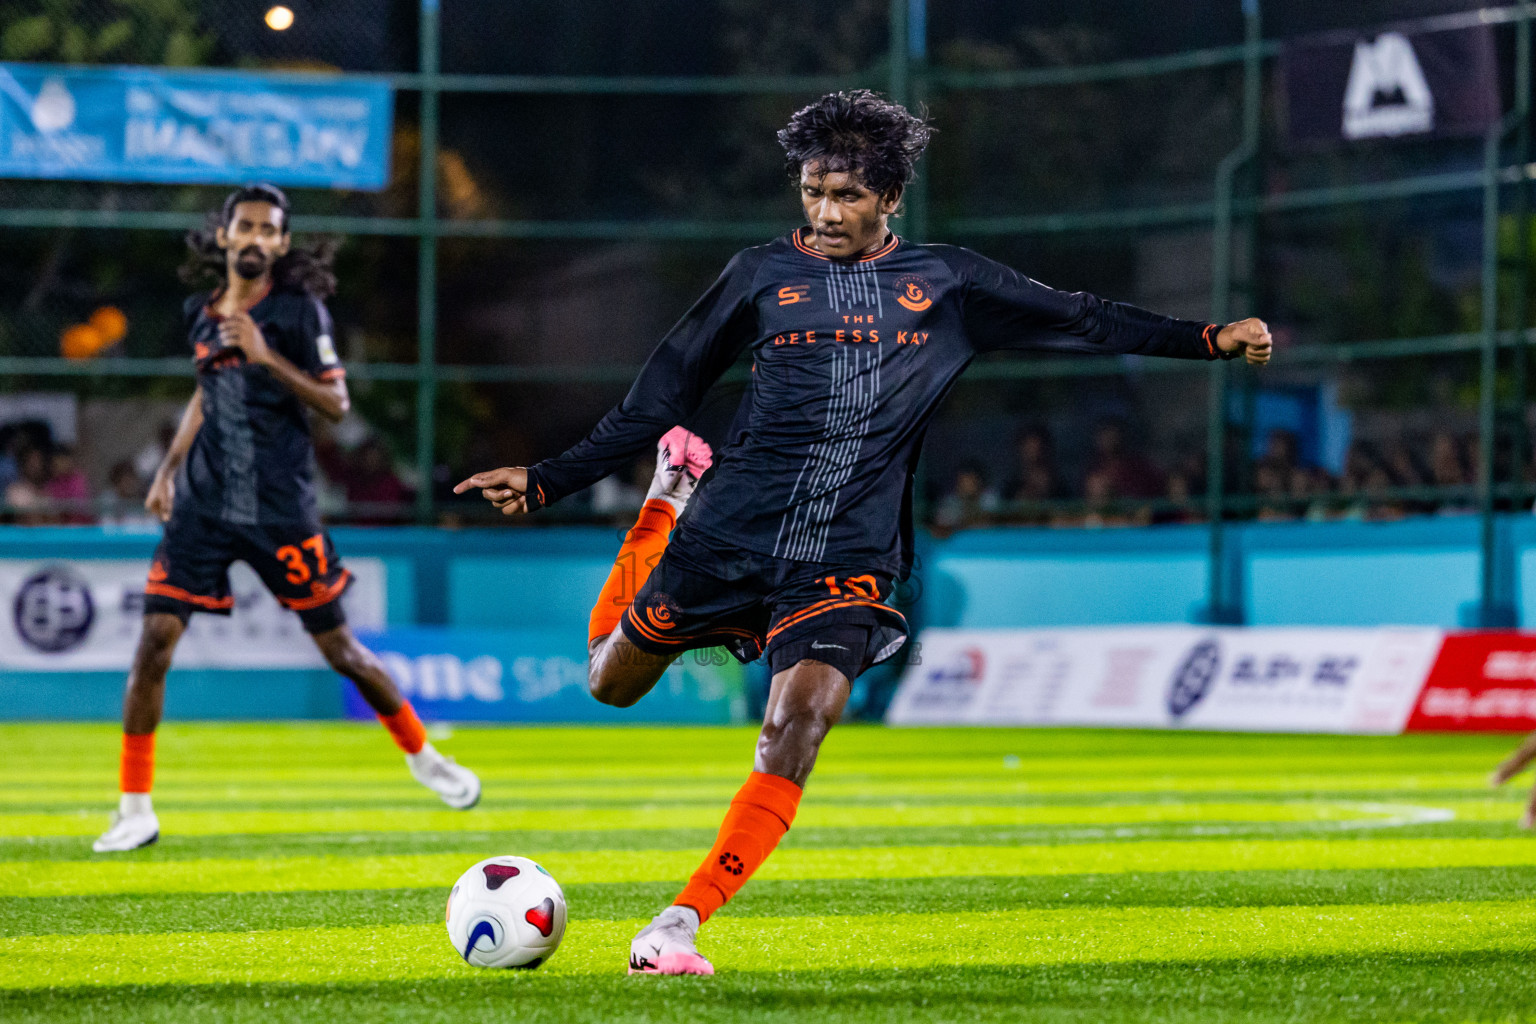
1414,572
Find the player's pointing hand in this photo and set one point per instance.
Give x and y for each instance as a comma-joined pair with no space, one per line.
1251,337
504,488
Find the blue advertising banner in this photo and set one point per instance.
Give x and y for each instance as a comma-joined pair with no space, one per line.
148,124
538,675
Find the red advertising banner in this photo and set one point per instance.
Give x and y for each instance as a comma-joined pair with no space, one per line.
1482,682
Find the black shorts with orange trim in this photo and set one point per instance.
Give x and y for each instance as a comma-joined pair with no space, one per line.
296,561
704,594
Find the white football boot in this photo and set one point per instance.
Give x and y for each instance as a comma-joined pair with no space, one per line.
458,786
666,945
133,825
681,458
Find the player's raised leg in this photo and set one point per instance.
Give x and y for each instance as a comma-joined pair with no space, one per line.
618,672
458,786
804,702
135,823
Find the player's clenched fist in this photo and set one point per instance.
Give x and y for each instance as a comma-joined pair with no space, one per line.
1251,337
1514,765
506,488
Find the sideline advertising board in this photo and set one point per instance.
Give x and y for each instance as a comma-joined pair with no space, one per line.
74,615
1481,682
1221,678
539,675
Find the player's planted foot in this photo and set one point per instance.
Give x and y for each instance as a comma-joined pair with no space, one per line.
681,458
133,825
666,945
458,786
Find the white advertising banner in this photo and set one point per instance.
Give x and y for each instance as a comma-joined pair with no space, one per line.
85,615
1284,680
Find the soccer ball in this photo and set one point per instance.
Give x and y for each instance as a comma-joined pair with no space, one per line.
506,912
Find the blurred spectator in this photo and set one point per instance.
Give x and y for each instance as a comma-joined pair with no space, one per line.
1105,507
1035,476
1272,483
1282,450
1127,473
67,488
970,502
371,481
1448,468
1180,495
27,496
122,503
10,445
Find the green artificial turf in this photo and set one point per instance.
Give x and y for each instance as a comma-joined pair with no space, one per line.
965,875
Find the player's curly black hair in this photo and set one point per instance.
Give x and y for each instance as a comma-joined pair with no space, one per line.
300,269
858,131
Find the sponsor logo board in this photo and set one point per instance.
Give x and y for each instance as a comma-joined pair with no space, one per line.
1305,680
1481,682
86,614
537,675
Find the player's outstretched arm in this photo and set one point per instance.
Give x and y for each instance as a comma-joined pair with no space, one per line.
506,488
162,490
1250,337
1513,765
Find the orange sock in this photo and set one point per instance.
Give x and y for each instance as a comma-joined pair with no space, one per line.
760,814
643,546
410,735
136,769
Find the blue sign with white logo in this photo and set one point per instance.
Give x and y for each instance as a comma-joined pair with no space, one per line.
538,675
148,124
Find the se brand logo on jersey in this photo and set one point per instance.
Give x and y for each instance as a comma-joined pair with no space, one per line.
793,293
914,293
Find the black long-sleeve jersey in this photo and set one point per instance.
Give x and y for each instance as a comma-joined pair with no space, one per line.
850,360
253,460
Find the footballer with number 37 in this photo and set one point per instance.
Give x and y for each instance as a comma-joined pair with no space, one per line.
793,548
238,483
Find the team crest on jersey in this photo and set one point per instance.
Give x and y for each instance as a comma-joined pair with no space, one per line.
662,612
914,293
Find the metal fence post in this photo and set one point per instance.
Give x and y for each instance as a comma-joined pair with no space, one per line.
1496,606
1224,600
426,267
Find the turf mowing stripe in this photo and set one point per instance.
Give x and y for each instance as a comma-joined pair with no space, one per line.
909,941
292,874
825,787
248,822
347,844
199,912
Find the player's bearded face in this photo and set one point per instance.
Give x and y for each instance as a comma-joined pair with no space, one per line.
254,239
847,219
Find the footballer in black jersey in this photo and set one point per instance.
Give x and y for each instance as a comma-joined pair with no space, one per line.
238,484
791,550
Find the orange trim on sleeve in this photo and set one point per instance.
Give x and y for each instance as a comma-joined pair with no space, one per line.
334,373
177,594
323,596
1206,336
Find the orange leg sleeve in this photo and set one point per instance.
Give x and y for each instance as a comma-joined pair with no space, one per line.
410,735
760,814
136,769
642,549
